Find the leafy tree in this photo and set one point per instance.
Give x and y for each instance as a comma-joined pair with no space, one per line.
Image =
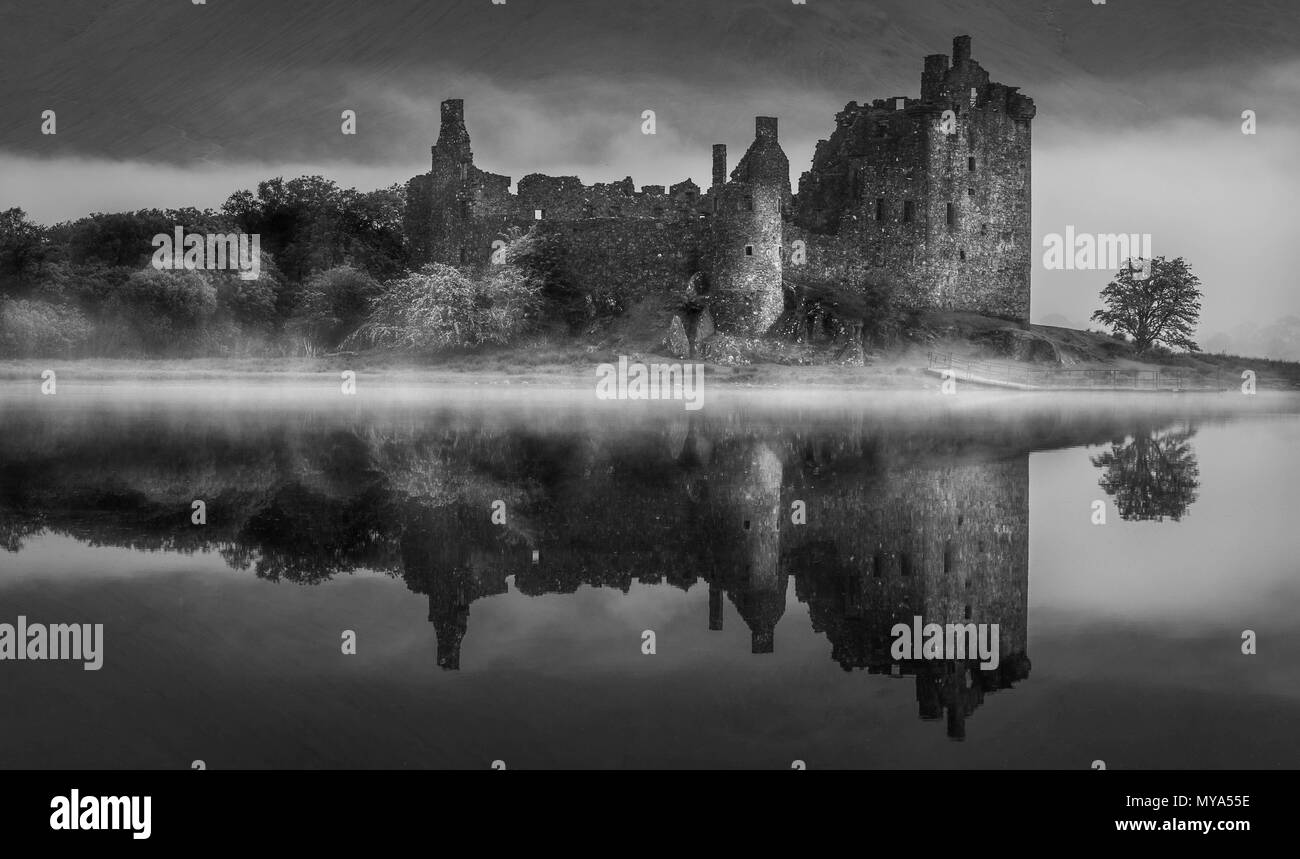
311,225
1162,308
249,303
22,248
125,239
90,287
167,307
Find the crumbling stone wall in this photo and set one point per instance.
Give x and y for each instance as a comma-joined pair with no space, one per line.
620,261
939,209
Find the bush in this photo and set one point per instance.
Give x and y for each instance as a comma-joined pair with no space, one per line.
333,305
864,308
440,308
540,254
249,304
167,308
38,329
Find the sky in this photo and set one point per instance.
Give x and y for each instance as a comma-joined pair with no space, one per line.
161,103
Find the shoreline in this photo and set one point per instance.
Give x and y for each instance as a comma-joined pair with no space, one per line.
899,375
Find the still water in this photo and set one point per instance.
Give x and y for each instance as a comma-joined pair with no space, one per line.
500,560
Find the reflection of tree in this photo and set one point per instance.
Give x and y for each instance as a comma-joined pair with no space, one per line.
1152,476
14,531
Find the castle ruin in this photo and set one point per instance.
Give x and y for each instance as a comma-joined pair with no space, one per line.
929,194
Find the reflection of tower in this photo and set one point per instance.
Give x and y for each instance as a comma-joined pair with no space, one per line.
744,528
446,556
449,614
940,537
715,607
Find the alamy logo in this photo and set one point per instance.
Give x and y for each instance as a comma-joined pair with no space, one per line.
103,812
57,641
1102,252
949,641
653,382
215,251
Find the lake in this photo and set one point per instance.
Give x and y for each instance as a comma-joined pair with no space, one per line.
503,561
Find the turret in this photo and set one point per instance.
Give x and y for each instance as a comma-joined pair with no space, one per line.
747,236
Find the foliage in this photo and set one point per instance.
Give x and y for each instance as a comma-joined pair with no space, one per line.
1163,308
440,307
166,308
22,249
89,287
846,305
311,225
539,253
41,329
333,304
126,238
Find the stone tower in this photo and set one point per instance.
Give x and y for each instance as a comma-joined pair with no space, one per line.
929,194
747,232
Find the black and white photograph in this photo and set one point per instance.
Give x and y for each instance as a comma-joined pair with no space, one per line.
436,392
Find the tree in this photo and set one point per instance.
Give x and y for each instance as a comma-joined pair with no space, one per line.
311,225
167,309
22,246
1162,308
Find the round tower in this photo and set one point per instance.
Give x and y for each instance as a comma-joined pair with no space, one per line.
746,295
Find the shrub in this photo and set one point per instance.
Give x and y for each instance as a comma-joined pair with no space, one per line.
540,254
440,308
866,308
250,304
38,329
333,304
167,307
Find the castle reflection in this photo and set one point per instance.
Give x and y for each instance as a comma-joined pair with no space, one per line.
877,522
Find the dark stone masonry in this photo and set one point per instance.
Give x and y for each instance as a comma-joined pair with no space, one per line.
931,194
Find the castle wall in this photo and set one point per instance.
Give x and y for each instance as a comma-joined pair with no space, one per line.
620,261
941,213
